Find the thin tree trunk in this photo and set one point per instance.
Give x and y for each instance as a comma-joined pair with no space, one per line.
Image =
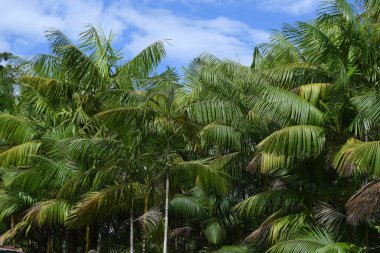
131,250
99,242
12,225
146,199
165,249
87,238
50,244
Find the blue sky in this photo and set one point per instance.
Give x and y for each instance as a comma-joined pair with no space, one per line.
226,28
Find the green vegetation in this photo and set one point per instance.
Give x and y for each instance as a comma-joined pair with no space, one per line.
98,152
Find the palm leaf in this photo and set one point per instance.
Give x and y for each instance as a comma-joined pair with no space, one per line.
18,155
294,141
270,201
284,106
49,213
278,228
312,92
231,249
119,118
364,203
187,207
368,106
206,112
356,157
143,63
50,89
16,130
309,241
214,233
266,163
222,135
208,175
112,200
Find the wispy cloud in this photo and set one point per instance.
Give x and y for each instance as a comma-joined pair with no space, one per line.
291,7
135,28
190,37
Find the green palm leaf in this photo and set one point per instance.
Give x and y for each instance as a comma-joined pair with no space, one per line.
187,207
266,163
18,155
270,201
315,240
206,112
51,89
356,157
368,106
312,92
50,213
109,201
231,249
215,233
294,141
143,63
222,135
16,130
284,106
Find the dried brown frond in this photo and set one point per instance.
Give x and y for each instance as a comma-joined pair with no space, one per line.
364,203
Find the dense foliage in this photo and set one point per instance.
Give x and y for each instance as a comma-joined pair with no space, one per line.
99,152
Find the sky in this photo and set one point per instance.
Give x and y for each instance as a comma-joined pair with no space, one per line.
225,28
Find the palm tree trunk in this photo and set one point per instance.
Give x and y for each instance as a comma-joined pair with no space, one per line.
146,198
50,244
87,238
12,225
131,250
165,249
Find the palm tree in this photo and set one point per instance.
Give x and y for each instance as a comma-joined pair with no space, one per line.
67,88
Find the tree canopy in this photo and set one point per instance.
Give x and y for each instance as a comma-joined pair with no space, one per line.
98,151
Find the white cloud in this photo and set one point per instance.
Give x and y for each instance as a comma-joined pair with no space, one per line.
292,7
190,37
24,22
211,2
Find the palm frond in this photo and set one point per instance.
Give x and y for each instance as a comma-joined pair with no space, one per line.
18,155
294,141
312,92
215,233
372,8
143,63
232,249
364,203
266,163
309,242
119,118
284,107
112,200
206,112
150,220
368,106
16,130
207,175
51,89
328,216
222,135
187,207
270,201
356,157
48,213
44,173
279,228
